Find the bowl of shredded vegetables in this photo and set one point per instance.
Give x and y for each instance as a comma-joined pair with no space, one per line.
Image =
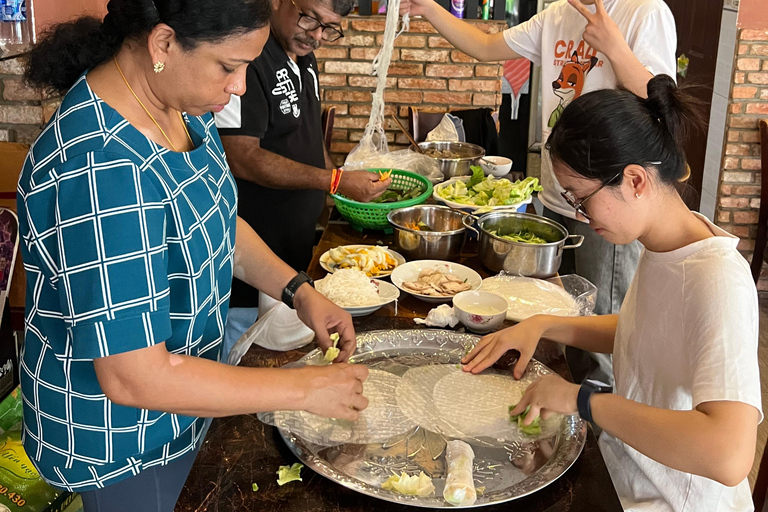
407,189
485,193
523,244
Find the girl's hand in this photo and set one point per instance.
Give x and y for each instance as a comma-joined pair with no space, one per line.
324,317
601,33
550,394
523,337
415,7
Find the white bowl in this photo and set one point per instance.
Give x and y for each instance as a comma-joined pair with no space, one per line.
387,293
480,311
411,270
497,165
470,207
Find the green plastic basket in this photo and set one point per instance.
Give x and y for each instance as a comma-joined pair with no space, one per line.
374,215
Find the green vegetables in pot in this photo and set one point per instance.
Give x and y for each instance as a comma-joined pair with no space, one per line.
523,236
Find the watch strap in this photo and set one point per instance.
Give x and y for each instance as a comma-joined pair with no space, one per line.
583,400
289,292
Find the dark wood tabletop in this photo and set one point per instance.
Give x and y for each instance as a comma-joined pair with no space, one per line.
240,450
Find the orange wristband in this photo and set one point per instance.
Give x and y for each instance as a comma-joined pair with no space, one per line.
335,184
333,179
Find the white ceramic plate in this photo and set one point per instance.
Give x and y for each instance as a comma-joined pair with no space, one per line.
388,293
326,262
410,272
469,207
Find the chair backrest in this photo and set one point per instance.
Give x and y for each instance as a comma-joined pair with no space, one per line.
329,117
9,248
421,123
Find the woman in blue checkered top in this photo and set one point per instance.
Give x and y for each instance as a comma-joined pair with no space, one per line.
131,239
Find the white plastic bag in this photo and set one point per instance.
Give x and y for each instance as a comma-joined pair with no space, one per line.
568,295
278,328
404,159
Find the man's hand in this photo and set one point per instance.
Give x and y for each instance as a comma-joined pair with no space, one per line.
362,186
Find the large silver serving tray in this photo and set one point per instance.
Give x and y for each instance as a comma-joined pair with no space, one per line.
507,470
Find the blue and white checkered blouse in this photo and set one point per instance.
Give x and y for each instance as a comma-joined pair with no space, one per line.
125,245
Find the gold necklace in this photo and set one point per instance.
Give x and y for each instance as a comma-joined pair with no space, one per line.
184,124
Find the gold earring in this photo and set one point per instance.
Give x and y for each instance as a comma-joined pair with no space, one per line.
159,67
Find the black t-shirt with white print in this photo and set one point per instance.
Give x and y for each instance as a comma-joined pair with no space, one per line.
281,107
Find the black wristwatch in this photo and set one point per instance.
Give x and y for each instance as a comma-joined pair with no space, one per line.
289,292
587,389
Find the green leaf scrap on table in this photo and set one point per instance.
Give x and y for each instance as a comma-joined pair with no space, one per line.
287,474
255,487
489,191
533,429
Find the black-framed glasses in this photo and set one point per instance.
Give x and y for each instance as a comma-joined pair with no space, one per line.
578,205
310,23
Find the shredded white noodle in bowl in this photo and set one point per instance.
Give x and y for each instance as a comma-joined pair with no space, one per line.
357,293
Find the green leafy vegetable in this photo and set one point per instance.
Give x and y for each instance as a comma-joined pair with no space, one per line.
489,191
332,353
416,485
393,195
287,474
523,236
533,429
255,487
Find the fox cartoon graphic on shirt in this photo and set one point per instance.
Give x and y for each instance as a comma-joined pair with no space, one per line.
570,83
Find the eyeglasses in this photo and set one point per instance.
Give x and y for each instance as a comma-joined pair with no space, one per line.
578,205
310,23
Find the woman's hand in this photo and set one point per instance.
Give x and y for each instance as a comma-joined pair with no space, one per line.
523,337
334,391
324,317
550,394
415,7
601,33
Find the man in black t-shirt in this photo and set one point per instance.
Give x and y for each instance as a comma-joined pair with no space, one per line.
273,138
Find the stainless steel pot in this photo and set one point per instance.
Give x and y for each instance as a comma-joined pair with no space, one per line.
467,155
518,258
443,241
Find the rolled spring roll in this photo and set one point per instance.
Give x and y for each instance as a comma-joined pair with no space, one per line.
459,484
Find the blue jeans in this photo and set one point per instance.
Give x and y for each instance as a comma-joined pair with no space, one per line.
155,489
611,269
239,320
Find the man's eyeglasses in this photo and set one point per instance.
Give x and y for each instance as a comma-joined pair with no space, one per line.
578,205
310,23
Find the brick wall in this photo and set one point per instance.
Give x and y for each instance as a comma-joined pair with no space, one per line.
739,194
23,111
426,72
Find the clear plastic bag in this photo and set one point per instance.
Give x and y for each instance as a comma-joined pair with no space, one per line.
278,328
404,159
568,295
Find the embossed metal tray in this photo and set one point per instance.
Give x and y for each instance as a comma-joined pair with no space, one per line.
506,470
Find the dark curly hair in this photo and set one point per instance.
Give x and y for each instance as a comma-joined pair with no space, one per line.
69,49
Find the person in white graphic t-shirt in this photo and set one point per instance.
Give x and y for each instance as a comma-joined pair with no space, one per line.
581,46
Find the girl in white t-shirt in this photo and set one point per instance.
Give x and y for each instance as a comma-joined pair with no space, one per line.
679,431
581,46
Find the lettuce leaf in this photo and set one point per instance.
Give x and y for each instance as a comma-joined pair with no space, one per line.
287,474
489,191
416,485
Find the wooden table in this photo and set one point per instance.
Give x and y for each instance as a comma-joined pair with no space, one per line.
240,450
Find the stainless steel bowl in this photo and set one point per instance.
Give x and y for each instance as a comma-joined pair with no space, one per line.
518,258
467,155
444,241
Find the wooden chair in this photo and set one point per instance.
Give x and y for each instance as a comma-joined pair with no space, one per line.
421,123
762,233
329,116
